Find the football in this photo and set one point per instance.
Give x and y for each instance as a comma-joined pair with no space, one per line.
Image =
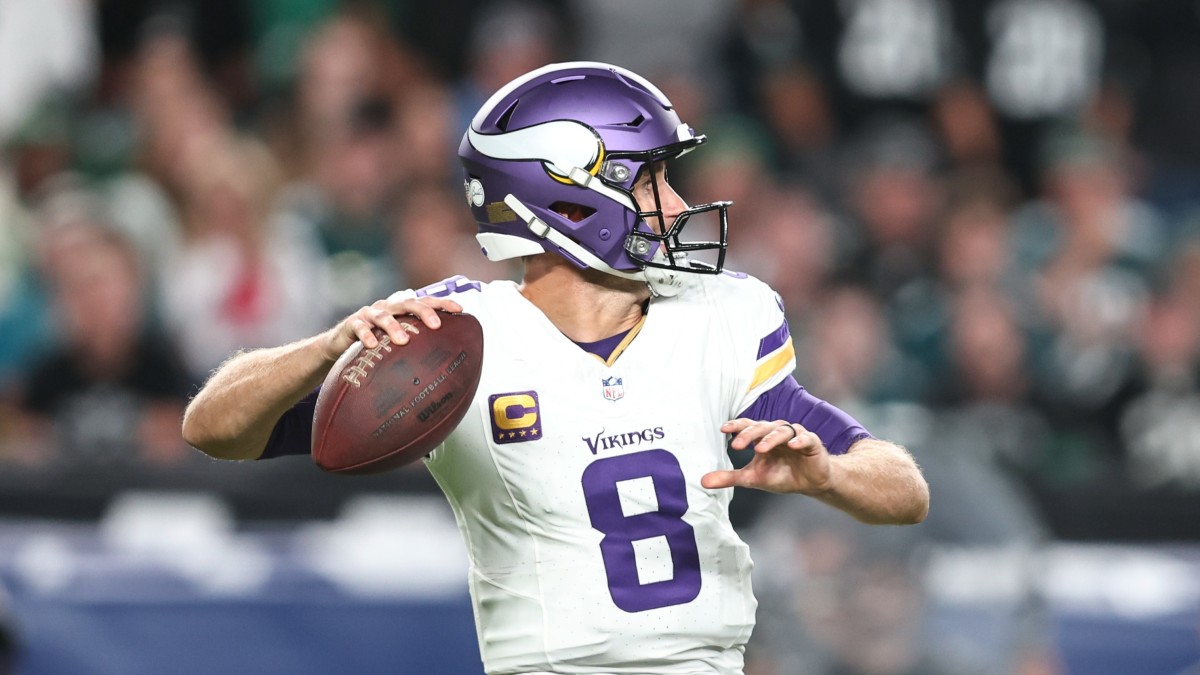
383,408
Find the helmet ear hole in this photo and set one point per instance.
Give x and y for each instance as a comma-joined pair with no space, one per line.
573,212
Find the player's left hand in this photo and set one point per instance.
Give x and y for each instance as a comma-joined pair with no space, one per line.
787,458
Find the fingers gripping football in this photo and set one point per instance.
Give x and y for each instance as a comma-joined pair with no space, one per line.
361,325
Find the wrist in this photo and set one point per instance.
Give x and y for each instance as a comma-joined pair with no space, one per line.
327,347
824,485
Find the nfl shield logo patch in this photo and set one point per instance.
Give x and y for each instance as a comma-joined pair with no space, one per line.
613,388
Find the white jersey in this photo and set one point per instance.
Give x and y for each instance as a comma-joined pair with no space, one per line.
576,483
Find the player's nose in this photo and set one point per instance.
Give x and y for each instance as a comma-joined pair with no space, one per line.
671,203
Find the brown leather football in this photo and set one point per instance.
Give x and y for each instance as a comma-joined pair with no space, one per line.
389,406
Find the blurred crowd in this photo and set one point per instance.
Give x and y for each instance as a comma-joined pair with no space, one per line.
982,219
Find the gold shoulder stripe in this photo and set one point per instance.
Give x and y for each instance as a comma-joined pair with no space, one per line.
773,364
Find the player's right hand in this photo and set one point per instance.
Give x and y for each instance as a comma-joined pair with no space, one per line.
382,314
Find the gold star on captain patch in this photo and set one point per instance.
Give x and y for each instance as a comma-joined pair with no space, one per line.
522,433
534,432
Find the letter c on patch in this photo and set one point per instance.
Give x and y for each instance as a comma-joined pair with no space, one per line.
515,411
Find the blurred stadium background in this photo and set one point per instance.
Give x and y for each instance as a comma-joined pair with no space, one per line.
984,218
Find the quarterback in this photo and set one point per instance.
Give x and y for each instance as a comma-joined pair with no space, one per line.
590,480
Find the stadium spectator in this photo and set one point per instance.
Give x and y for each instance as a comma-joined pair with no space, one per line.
175,107
966,126
343,162
795,106
892,198
244,276
848,352
1160,424
23,315
349,59
986,399
424,136
974,240
1089,249
112,389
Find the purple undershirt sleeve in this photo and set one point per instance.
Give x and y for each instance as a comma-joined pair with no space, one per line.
789,401
292,434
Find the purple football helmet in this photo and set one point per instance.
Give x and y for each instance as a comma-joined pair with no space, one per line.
578,134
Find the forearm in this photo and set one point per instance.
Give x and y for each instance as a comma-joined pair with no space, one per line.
233,414
876,482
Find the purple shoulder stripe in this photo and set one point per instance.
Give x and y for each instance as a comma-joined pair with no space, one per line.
789,401
292,434
774,341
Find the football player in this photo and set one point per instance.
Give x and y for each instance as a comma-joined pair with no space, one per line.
591,481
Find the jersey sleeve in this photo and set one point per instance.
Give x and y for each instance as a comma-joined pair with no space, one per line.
789,401
292,434
763,350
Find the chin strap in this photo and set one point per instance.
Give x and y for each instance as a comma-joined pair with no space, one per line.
662,282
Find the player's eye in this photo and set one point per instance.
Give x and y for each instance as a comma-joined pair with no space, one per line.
648,175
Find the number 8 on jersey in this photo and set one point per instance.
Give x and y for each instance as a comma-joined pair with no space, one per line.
624,530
